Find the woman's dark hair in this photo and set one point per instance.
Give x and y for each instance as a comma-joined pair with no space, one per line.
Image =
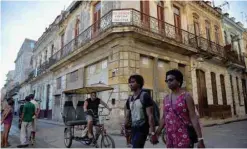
10,101
178,75
138,78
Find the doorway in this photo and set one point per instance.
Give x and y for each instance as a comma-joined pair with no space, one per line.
202,93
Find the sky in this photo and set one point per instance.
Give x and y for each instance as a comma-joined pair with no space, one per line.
28,19
20,20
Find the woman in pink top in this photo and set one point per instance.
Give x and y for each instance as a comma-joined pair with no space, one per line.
178,113
7,121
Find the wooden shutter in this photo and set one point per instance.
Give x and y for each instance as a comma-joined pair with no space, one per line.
177,22
202,93
160,13
239,98
245,94
223,89
96,17
145,13
214,88
233,99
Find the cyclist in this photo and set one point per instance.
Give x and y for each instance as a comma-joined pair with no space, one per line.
92,104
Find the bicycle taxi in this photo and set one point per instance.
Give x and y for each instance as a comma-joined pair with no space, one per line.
74,117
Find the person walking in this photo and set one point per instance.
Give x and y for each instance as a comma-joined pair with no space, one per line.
37,111
7,117
26,125
179,115
139,107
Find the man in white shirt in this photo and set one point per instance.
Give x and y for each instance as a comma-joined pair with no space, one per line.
37,110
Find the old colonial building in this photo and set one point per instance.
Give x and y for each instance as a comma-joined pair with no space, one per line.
41,78
22,69
234,49
107,41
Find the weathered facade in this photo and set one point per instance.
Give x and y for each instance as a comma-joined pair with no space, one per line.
234,41
107,41
22,62
41,79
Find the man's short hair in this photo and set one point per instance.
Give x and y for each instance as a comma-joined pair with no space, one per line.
31,96
27,98
138,78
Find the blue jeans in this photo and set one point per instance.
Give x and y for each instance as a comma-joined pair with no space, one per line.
138,138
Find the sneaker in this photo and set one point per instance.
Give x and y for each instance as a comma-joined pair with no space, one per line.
22,146
129,146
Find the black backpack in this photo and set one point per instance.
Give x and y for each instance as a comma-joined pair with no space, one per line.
156,111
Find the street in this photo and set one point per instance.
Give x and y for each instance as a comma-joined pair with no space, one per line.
232,135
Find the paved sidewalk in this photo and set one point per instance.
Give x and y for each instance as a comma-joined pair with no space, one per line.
204,122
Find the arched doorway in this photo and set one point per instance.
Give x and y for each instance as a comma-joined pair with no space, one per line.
202,93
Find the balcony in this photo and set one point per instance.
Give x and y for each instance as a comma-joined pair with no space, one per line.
40,70
145,26
233,59
209,48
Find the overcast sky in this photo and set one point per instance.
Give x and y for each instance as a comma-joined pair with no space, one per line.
28,19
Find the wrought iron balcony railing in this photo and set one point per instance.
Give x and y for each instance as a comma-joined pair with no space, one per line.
141,22
234,57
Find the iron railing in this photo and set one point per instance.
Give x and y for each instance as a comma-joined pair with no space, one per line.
141,22
234,57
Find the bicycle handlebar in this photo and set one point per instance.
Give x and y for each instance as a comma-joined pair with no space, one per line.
90,111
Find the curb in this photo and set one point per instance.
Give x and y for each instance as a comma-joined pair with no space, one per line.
226,122
118,134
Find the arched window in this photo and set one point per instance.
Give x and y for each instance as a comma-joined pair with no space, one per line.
225,36
160,15
145,11
216,34
207,28
196,24
77,29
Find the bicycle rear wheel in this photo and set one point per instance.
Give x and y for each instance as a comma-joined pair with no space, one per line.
107,142
68,137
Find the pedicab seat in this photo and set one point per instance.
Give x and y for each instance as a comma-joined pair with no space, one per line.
72,116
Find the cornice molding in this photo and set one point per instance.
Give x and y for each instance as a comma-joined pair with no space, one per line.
208,8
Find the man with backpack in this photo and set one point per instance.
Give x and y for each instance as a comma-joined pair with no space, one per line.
141,109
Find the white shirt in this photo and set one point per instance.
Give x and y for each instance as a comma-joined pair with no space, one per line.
36,104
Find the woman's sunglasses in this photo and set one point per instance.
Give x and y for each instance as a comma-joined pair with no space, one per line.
169,80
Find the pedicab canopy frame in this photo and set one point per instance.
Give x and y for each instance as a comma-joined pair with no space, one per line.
98,87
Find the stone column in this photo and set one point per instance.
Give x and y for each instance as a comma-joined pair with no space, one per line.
155,79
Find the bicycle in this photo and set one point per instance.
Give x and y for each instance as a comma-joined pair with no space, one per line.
106,140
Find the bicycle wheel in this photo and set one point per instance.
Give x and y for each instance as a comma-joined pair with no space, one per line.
163,136
107,142
67,137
